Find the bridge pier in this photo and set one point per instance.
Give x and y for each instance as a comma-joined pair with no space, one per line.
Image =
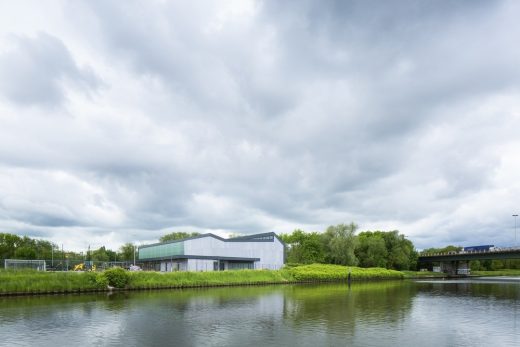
449,267
455,267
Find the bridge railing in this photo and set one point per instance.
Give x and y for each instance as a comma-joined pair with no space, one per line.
491,250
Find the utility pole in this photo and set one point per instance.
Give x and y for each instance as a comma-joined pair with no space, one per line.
134,255
515,215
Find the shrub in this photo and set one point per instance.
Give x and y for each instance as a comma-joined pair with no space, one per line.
116,277
329,272
101,281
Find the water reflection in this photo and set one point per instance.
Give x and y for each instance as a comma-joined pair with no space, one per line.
369,314
337,309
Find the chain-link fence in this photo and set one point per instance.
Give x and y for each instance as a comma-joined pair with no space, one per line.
62,264
162,266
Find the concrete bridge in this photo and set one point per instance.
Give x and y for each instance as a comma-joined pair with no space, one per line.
457,263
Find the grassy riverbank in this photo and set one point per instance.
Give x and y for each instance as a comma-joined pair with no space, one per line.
22,282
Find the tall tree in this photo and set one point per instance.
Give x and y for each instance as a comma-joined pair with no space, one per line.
371,250
340,244
8,244
401,252
126,252
304,248
25,252
100,254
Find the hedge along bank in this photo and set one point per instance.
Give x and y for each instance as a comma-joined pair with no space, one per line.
27,282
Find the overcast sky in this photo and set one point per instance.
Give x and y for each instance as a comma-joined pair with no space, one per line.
121,121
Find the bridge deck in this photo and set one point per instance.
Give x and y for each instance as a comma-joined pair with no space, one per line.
485,255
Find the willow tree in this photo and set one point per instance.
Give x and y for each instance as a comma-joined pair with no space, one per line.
340,243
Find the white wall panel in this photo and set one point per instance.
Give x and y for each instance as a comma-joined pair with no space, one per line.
270,253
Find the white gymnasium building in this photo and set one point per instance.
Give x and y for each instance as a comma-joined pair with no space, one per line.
210,252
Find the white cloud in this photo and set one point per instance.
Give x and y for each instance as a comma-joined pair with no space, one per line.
121,125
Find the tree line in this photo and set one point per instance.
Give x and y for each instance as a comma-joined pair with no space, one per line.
23,247
339,244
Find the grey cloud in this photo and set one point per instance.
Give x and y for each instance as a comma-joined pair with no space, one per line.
34,70
301,114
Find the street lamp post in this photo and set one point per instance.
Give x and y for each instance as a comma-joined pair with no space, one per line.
515,215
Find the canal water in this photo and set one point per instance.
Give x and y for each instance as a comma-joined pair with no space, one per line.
392,313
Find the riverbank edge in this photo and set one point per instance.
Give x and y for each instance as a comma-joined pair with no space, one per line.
131,289
36,283
406,275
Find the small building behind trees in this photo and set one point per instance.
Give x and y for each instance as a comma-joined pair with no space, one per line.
209,252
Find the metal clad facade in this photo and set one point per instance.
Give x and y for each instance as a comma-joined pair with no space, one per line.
270,253
162,250
209,252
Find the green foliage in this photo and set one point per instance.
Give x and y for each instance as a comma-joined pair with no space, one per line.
16,247
386,249
45,282
493,265
511,264
25,252
178,235
29,281
304,248
497,264
371,250
101,254
8,244
474,265
116,277
401,251
339,245
143,279
446,249
340,241
327,272
126,252
101,280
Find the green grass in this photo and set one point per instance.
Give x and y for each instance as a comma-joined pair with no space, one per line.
503,272
44,282
204,279
326,272
48,282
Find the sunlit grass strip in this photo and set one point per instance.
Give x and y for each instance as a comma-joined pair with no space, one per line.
143,280
323,272
13,282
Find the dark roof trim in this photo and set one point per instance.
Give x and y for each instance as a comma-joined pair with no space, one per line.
199,257
251,238
247,238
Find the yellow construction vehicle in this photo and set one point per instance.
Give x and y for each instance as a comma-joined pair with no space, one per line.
83,267
79,267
